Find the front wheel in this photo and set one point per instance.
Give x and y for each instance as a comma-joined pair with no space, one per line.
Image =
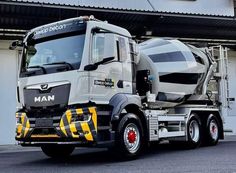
129,138
57,151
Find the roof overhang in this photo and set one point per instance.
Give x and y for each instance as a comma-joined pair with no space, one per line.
22,16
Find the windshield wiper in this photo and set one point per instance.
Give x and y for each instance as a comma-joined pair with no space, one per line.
61,62
38,66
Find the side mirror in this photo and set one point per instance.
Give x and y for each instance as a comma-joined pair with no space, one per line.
92,67
15,44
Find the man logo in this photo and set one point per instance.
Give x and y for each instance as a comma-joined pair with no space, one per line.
44,86
41,99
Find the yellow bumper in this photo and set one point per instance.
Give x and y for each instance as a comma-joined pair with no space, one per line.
69,127
23,126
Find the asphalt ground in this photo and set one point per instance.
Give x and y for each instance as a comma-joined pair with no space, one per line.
163,158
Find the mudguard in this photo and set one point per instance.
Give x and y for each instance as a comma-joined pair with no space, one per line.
120,101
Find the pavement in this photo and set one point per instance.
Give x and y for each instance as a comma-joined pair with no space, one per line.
17,148
163,158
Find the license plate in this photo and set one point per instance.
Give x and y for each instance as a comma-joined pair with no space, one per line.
44,123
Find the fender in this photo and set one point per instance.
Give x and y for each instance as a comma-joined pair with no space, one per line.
120,101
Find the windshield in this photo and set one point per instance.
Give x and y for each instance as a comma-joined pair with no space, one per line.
52,53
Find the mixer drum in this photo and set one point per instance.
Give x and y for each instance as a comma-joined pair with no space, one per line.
177,70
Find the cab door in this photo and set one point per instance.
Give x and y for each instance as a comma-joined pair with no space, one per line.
104,80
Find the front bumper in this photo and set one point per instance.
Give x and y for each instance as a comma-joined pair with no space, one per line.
69,128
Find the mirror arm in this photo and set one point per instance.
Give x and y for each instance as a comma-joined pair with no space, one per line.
94,66
15,44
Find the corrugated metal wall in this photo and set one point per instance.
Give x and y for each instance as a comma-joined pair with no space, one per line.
206,7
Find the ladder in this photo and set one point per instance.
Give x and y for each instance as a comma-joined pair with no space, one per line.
220,55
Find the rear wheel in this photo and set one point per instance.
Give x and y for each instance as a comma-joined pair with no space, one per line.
194,131
129,139
57,151
212,130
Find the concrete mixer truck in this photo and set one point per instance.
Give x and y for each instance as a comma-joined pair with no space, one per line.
85,82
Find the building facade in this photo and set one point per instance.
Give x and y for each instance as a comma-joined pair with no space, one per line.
197,21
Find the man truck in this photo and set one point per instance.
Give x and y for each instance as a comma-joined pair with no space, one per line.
85,82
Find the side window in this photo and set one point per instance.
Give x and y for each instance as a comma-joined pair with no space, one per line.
122,49
98,47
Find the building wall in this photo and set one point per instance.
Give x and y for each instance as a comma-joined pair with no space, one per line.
230,119
8,79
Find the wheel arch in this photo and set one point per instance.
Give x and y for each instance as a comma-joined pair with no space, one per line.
120,102
126,103
132,108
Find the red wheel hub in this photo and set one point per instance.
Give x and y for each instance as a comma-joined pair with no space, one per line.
213,129
131,136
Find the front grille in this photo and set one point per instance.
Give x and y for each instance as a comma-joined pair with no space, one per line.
46,108
45,118
50,112
56,96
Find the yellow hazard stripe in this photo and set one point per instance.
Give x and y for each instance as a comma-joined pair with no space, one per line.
19,126
92,110
19,130
27,128
73,130
70,128
86,130
23,126
68,116
62,126
22,119
45,136
79,111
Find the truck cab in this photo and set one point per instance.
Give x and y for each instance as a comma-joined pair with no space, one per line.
79,52
69,72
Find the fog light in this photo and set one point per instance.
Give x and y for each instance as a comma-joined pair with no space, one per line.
83,117
86,117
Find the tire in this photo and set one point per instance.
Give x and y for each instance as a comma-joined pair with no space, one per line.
129,137
194,132
57,151
212,130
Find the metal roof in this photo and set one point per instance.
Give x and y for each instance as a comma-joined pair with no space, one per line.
140,5
17,17
216,8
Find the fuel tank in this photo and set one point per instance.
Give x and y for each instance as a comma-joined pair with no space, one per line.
177,70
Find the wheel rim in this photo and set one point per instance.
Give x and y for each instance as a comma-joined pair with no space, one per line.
132,138
194,131
213,130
